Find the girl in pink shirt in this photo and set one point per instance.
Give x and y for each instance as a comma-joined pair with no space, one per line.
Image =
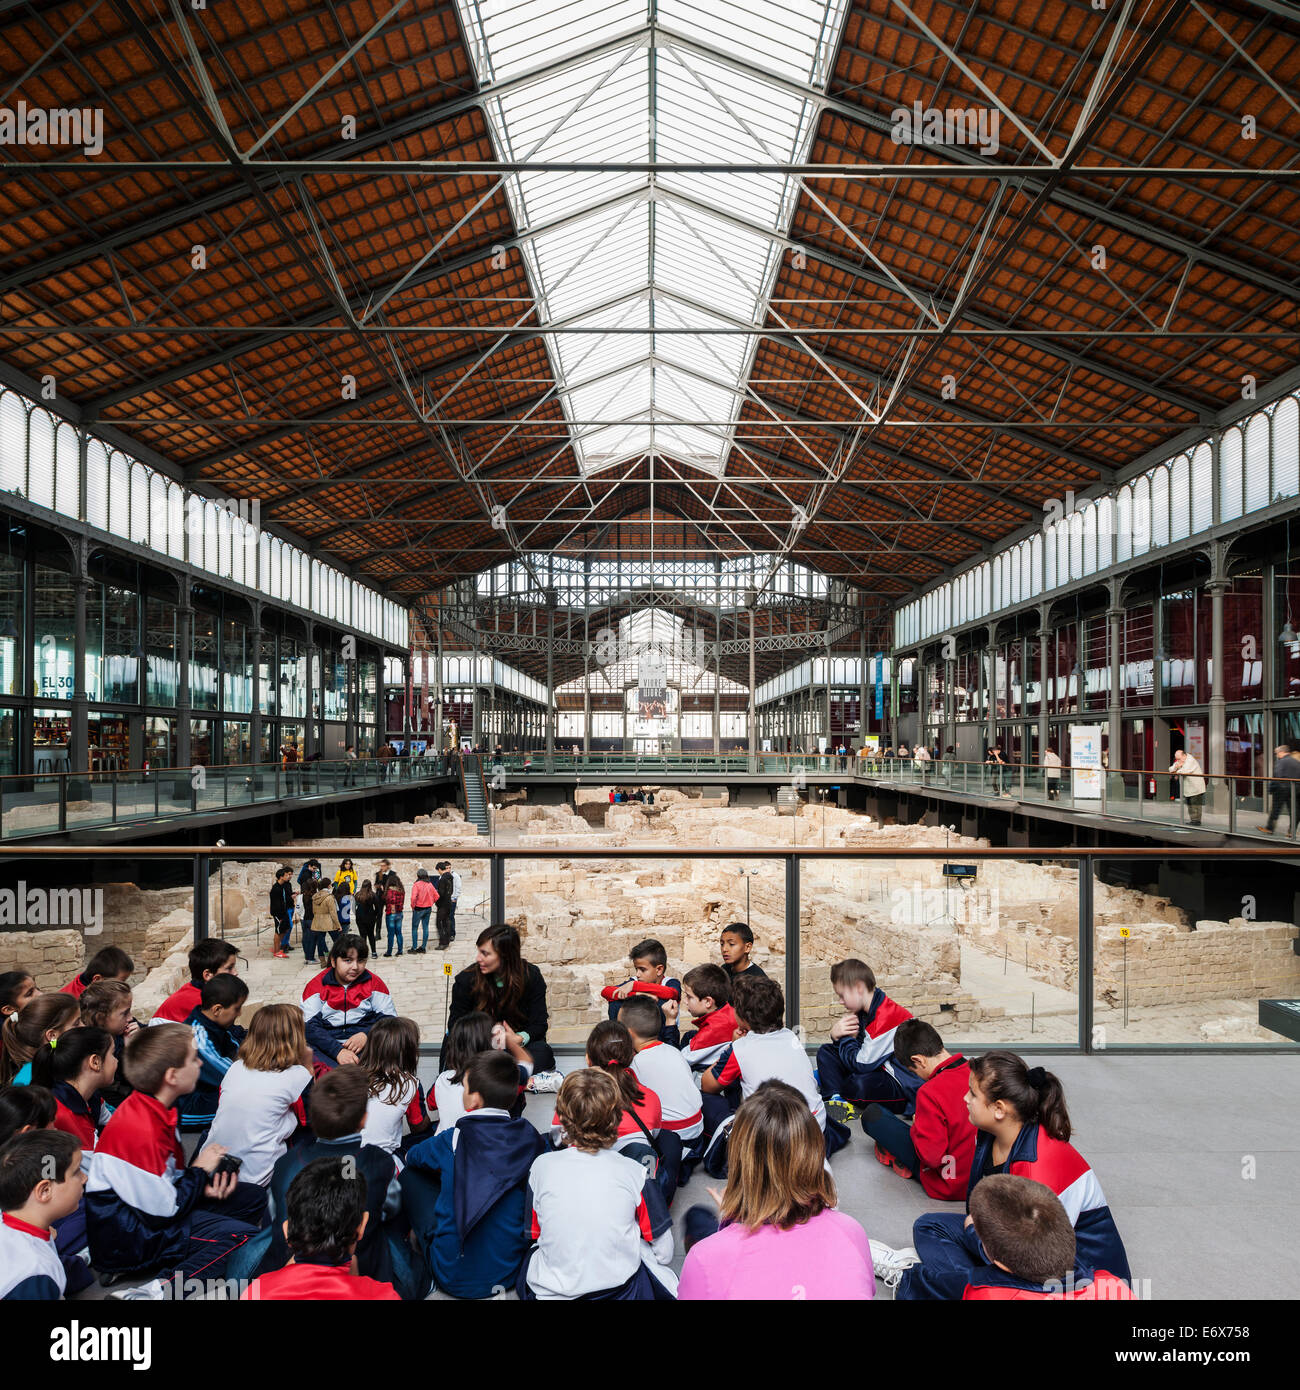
780,1235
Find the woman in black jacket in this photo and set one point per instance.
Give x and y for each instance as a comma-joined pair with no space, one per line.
366,906
508,989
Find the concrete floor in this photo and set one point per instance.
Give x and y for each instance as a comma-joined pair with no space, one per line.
1198,1157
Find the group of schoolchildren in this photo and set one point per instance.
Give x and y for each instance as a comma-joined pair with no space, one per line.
323,1170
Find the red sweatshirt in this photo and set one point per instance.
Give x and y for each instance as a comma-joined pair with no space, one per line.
942,1132
711,1039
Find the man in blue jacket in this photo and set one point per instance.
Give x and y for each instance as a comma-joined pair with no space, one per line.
464,1190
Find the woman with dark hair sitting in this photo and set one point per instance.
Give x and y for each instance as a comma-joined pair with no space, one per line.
506,987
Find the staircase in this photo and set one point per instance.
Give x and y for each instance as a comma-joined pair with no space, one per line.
474,791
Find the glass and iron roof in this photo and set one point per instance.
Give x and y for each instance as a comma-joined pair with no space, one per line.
635,82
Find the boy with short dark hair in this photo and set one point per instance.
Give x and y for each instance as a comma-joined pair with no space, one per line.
326,1219
33,1202
208,958
764,1050
649,965
857,1066
1031,1247
737,945
108,963
465,1189
218,1038
706,996
338,1115
937,1148
147,1212
661,1068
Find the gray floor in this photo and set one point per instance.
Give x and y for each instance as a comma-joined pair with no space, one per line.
1199,1158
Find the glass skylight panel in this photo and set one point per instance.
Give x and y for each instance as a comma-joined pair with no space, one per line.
705,252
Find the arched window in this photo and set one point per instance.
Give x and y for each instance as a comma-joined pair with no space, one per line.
97,484
13,443
1180,499
1160,506
1141,515
1231,474
67,471
1202,489
40,458
1286,449
119,494
158,513
1257,459
139,532
1076,545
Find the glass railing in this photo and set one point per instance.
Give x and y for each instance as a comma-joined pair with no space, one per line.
1076,950
50,802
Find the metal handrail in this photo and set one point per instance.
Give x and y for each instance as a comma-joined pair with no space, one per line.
790,858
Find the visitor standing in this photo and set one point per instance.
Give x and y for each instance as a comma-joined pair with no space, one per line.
444,886
423,897
1192,781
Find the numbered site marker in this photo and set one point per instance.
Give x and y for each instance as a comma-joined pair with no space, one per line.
1123,931
446,967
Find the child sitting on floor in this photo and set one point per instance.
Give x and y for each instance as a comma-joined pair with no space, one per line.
107,1004
24,1034
465,1189
208,958
662,1069
471,1034
147,1212
343,1003
108,963
610,1048
737,945
338,1112
856,1067
41,1182
218,1038
1024,1130
262,1100
1033,1250
390,1061
764,1050
17,990
649,965
74,1073
327,1217
938,1146
706,996
598,1218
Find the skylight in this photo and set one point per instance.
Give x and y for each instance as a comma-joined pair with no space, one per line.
639,81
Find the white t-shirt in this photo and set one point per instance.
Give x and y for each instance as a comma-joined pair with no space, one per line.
667,1073
383,1126
384,1118
590,1217
778,1056
255,1116
449,1097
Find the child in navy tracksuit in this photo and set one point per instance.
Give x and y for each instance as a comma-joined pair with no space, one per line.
465,1189
857,1066
218,1038
147,1212
1032,1249
649,965
1025,1132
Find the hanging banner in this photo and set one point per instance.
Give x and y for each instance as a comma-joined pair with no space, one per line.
1085,762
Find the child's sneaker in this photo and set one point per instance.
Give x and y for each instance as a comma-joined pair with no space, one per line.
153,1291
890,1264
545,1081
842,1110
886,1160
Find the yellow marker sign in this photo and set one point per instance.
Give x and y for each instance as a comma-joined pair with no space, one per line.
446,965
1123,931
